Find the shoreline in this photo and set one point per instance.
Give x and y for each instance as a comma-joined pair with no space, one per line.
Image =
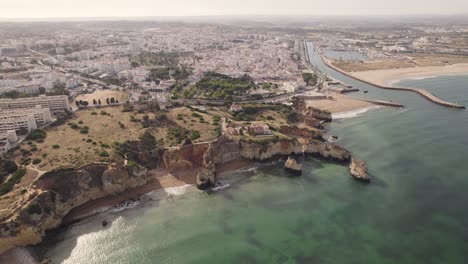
393,81
354,113
419,91
162,180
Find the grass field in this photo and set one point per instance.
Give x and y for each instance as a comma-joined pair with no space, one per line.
68,146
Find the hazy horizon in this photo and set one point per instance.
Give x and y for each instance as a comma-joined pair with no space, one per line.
33,9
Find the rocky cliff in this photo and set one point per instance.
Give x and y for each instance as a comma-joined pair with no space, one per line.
55,193
261,151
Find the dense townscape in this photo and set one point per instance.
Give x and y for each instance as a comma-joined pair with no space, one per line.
98,109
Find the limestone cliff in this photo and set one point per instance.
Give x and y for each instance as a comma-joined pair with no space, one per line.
54,194
261,151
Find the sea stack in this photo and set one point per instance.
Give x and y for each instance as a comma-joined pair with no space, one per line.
293,166
358,170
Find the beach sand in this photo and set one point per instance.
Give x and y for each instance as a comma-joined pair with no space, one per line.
388,77
161,179
340,103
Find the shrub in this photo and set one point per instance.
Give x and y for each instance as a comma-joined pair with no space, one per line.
148,140
80,122
84,131
194,135
104,112
14,179
33,148
103,145
26,162
93,113
37,134
7,167
89,140
104,154
36,161
74,126
55,146
34,209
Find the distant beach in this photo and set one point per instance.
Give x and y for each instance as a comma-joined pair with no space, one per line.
389,77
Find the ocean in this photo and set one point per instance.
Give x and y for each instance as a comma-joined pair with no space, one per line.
413,211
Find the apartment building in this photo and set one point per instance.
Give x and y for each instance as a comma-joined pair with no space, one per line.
41,115
25,123
7,139
56,104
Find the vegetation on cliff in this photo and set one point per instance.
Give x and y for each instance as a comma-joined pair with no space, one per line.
7,167
7,186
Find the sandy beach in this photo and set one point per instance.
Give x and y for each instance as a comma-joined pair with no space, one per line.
340,103
162,179
388,77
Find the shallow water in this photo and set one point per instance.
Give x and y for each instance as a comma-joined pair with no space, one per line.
414,211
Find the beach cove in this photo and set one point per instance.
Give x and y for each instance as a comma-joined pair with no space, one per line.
413,212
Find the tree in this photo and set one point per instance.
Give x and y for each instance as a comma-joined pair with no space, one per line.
112,100
99,101
42,90
94,102
85,103
107,101
77,103
309,78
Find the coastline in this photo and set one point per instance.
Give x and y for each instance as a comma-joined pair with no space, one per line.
163,180
354,113
420,91
389,77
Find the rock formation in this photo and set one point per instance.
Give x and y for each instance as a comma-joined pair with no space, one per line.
206,178
261,151
358,170
54,194
292,165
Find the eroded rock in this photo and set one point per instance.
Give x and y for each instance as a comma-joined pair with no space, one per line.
358,170
293,166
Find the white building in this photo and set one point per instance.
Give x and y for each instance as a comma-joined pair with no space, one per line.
56,103
7,139
41,115
26,123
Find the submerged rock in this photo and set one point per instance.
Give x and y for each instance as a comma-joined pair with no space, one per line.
358,170
292,165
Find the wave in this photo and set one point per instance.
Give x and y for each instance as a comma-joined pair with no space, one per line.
354,113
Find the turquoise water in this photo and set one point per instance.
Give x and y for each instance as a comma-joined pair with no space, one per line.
414,211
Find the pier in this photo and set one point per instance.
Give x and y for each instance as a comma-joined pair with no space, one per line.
419,91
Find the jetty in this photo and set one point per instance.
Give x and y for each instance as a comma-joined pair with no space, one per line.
419,91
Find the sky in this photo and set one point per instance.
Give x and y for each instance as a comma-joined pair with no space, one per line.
138,8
